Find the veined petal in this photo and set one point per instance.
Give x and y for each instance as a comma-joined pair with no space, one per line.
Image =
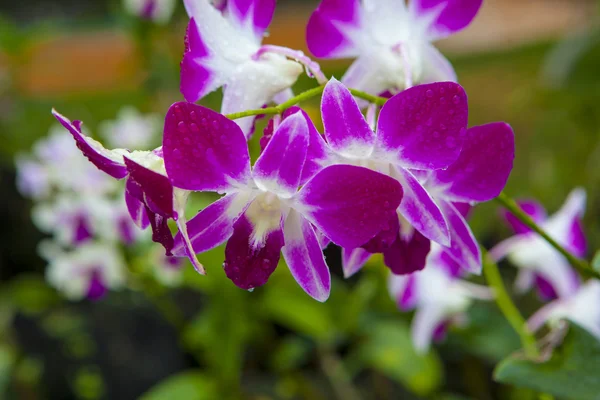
424,324
346,129
304,257
212,226
136,208
534,209
204,150
108,161
482,169
436,67
252,15
328,33
463,245
446,16
256,83
349,204
407,256
420,210
248,266
423,127
157,189
279,168
353,260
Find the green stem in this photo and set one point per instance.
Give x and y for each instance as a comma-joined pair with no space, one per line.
309,94
337,375
508,308
576,262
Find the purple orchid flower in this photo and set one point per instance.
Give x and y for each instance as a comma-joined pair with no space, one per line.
223,49
539,263
422,141
439,295
390,40
88,271
159,11
150,197
263,212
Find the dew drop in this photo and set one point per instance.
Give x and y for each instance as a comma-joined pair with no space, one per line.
429,93
193,115
450,142
456,99
194,128
181,127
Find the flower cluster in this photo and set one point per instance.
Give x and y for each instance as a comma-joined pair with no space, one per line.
391,182
83,210
543,267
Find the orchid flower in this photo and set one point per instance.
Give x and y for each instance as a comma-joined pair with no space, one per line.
438,294
88,271
159,11
167,270
150,197
223,49
581,307
390,40
422,141
263,212
131,129
538,261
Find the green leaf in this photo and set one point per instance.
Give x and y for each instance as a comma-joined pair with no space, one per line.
186,385
30,294
572,372
389,349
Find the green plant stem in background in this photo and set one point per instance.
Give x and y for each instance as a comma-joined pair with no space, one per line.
300,98
337,375
508,308
576,262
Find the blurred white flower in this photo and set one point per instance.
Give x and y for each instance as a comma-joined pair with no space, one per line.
159,11
132,130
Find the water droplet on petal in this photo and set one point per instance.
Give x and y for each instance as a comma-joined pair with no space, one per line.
181,127
456,99
429,93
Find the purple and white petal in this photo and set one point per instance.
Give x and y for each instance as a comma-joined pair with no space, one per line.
252,15
317,153
279,168
304,257
136,208
445,17
349,204
328,33
424,324
565,225
204,150
368,75
482,169
212,226
353,260
406,256
385,238
346,129
108,161
424,127
157,188
419,208
248,266
463,245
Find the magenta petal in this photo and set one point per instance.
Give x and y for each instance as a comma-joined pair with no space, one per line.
349,204
82,231
304,257
203,150
463,245
96,289
451,15
532,208
250,267
160,231
424,126
346,129
210,227
137,209
483,167
407,299
100,157
157,189
384,239
545,289
576,241
279,167
317,148
324,33
197,80
407,256
353,260
420,210
255,13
